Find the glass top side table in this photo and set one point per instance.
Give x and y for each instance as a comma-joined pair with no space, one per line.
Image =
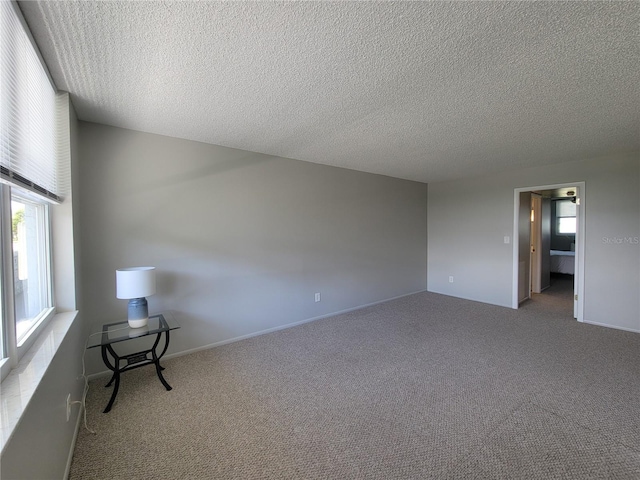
159,325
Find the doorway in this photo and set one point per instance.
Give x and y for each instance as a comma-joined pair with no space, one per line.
534,260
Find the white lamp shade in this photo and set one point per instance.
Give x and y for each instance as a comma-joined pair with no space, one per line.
135,282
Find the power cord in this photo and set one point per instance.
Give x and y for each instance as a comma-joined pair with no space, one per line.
83,402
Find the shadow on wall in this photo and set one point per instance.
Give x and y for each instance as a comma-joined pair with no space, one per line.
214,168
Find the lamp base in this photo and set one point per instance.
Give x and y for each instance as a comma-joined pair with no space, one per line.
138,312
138,323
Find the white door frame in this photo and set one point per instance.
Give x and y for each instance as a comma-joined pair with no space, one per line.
580,241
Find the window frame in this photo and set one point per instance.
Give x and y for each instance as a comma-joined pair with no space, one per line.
14,350
45,277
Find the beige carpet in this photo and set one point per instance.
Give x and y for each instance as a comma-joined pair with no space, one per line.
426,386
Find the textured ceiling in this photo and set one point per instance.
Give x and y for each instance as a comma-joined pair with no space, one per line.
427,91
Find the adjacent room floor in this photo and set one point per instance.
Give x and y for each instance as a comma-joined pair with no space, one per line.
558,297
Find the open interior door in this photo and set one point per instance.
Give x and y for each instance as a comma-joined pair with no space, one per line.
536,243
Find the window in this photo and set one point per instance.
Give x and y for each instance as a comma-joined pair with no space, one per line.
26,294
31,261
32,144
566,216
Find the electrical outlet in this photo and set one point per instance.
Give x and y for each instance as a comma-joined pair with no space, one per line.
451,279
68,407
317,297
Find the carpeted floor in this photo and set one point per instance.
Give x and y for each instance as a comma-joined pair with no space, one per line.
426,386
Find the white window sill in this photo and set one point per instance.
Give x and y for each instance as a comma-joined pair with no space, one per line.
18,388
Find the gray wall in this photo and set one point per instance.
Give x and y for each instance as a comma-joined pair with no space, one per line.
41,444
241,240
468,219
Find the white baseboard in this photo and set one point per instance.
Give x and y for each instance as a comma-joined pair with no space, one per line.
263,332
72,447
634,330
449,294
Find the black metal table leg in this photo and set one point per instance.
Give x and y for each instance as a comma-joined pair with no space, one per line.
116,374
164,349
156,359
114,394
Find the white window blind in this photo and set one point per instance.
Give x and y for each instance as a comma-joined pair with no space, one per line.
565,208
28,127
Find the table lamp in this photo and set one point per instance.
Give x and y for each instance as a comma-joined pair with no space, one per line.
135,283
